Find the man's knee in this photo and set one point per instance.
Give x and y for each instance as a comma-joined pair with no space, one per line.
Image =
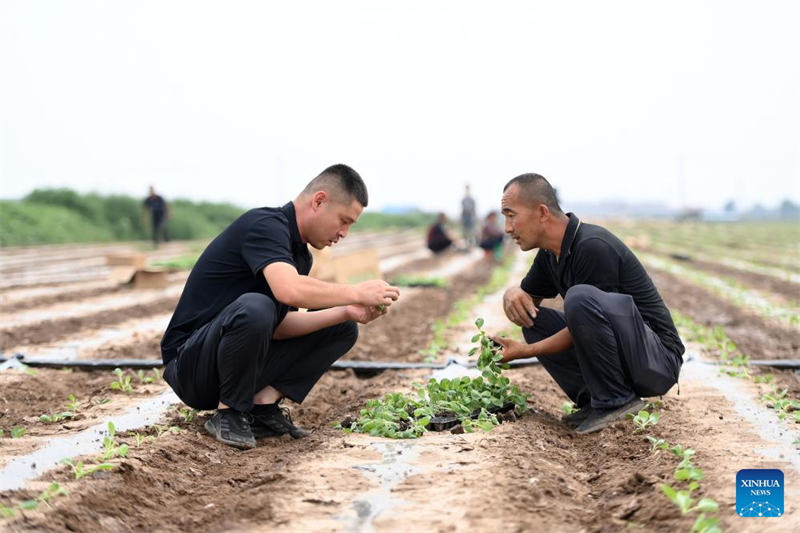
348,333
254,310
531,335
578,300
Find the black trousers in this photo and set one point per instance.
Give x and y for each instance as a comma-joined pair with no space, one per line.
234,356
159,229
615,357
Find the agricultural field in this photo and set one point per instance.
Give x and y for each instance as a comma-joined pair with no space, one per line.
107,449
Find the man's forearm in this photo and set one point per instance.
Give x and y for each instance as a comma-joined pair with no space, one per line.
297,324
311,293
560,342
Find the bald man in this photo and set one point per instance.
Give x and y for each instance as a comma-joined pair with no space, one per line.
615,342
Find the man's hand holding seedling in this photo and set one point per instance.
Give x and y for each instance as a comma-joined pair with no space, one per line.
376,292
365,314
511,349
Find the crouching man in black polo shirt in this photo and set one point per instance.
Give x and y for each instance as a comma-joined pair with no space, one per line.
615,342
237,343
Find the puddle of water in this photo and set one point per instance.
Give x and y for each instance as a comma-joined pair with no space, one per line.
22,469
393,468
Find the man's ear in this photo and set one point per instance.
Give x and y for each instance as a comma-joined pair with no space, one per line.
318,199
544,212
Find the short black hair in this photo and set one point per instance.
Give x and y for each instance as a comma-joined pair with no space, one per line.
342,182
537,190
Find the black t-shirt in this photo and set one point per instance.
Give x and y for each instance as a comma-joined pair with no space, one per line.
232,265
156,205
592,255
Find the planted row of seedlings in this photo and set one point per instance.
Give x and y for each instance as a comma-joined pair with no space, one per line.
686,475
774,246
728,289
113,451
123,382
715,342
466,403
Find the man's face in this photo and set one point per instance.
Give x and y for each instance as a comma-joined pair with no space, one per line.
523,220
331,221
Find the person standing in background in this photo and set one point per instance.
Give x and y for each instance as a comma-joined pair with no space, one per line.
159,213
468,217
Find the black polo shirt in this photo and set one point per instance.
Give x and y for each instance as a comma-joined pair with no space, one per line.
592,255
232,265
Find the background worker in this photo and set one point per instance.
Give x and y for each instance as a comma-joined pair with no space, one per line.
438,238
468,218
159,213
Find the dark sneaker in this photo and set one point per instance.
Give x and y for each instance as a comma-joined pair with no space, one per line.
271,420
232,428
600,418
575,419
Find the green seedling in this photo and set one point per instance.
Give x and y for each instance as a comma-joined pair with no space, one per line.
686,472
569,408
123,382
658,444
17,432
655,405
99,401
6,512
380,307
140,439
643,420
55,417
188,415
684,501
74,404
80,470
110,447
157,375
47,494
706,524
143,379
684,454
160,430
768,378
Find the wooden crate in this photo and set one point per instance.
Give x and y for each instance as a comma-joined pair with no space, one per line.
353,267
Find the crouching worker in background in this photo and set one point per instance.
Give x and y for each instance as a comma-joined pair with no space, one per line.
237,343
615,341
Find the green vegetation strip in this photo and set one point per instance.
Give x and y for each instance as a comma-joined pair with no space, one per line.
728,289
407,416
420,281
715,342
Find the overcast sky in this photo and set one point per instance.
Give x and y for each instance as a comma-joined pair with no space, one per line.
246,101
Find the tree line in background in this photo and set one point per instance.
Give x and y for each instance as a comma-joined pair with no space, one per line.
53,216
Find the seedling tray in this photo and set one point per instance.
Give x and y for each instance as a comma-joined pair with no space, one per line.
447,421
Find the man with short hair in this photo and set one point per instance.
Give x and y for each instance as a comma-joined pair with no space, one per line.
615,341
237,342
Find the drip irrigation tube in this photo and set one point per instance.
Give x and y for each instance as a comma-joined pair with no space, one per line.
361,368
